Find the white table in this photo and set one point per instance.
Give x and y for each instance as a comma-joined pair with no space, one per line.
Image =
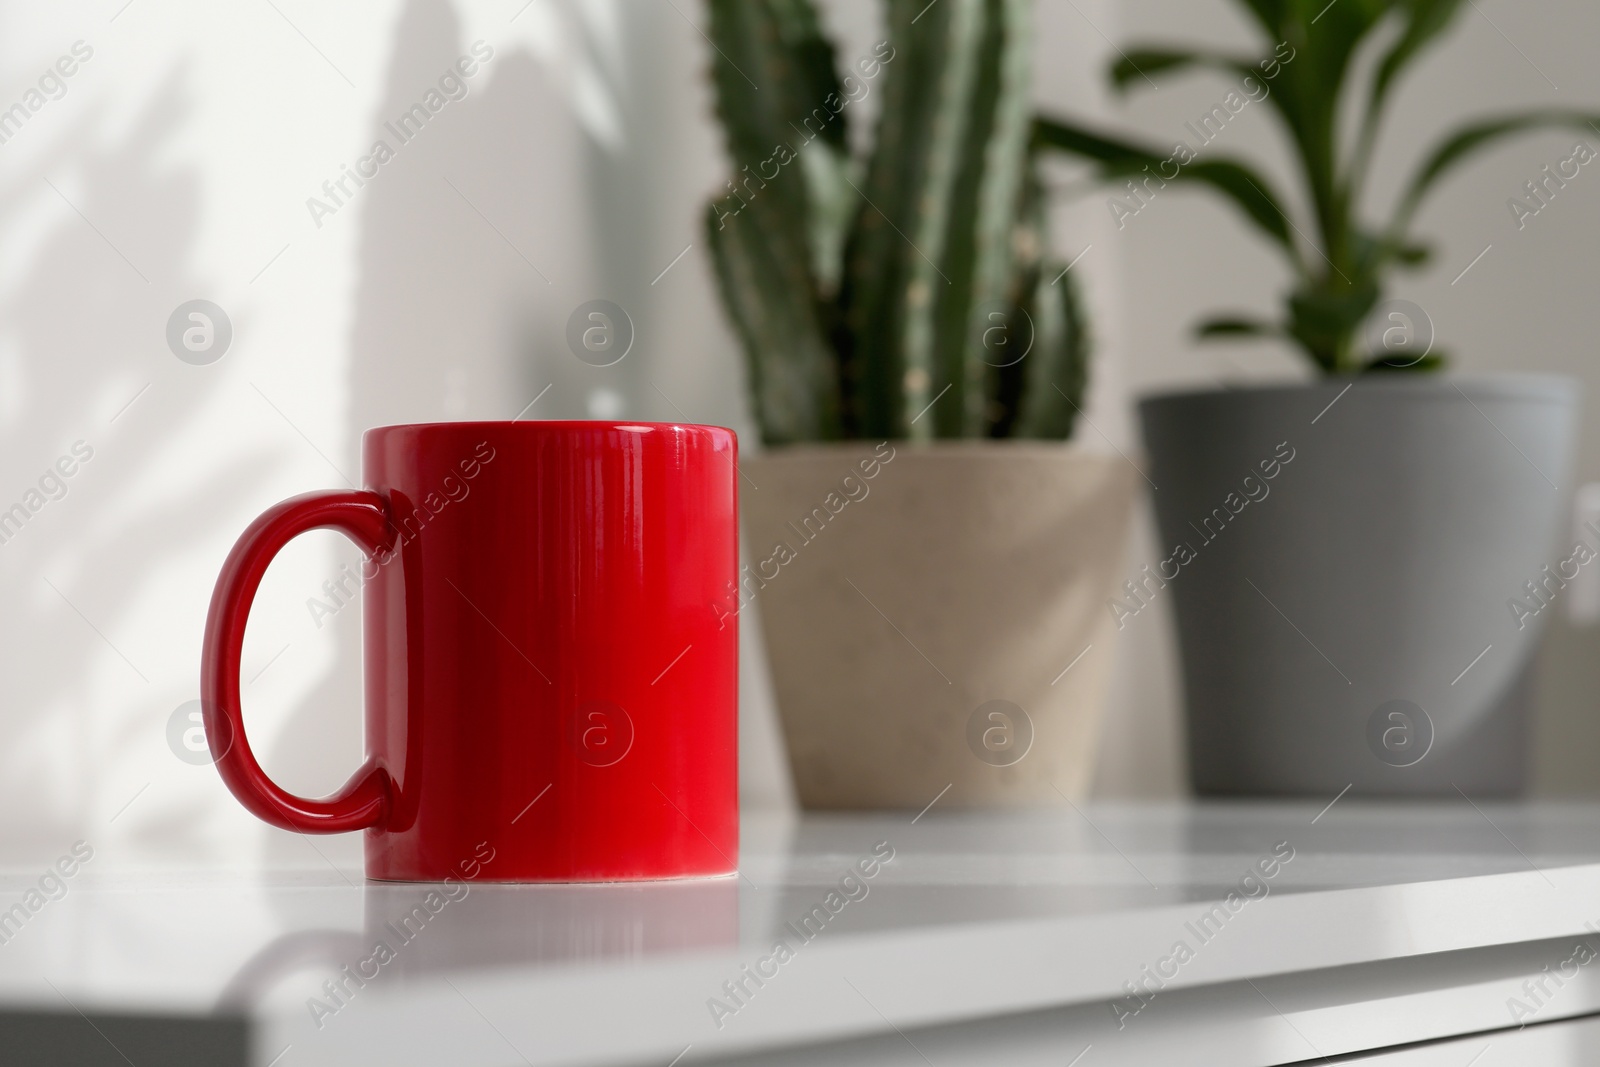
986,939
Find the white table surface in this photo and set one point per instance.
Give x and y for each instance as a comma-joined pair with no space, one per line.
976,920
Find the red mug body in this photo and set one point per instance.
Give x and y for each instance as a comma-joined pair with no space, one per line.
551,670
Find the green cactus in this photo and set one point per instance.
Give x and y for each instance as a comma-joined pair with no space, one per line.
906,294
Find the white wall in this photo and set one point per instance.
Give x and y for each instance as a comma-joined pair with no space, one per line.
178,165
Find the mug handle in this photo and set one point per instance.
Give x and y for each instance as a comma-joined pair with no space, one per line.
364,801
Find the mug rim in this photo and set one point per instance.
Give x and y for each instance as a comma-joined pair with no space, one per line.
549,425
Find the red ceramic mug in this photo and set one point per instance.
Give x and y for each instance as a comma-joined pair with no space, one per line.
551,681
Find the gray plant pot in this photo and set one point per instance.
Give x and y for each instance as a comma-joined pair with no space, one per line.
1351,619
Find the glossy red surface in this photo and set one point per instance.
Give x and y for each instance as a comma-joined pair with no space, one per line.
551,662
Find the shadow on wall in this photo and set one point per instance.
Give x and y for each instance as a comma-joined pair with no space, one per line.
467,231
82,360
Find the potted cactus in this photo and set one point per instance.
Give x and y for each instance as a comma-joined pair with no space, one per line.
929,554
1346,556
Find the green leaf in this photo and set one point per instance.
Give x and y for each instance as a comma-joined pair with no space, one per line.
1237,326
1369,254
1245,187
1269,13
1325,37
1433,361
1139,64
1412,255
1426,20
1325,319
1476,137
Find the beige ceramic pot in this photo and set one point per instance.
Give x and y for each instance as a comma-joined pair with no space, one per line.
936,616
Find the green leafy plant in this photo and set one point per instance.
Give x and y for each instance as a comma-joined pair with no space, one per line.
1342,264
903,292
